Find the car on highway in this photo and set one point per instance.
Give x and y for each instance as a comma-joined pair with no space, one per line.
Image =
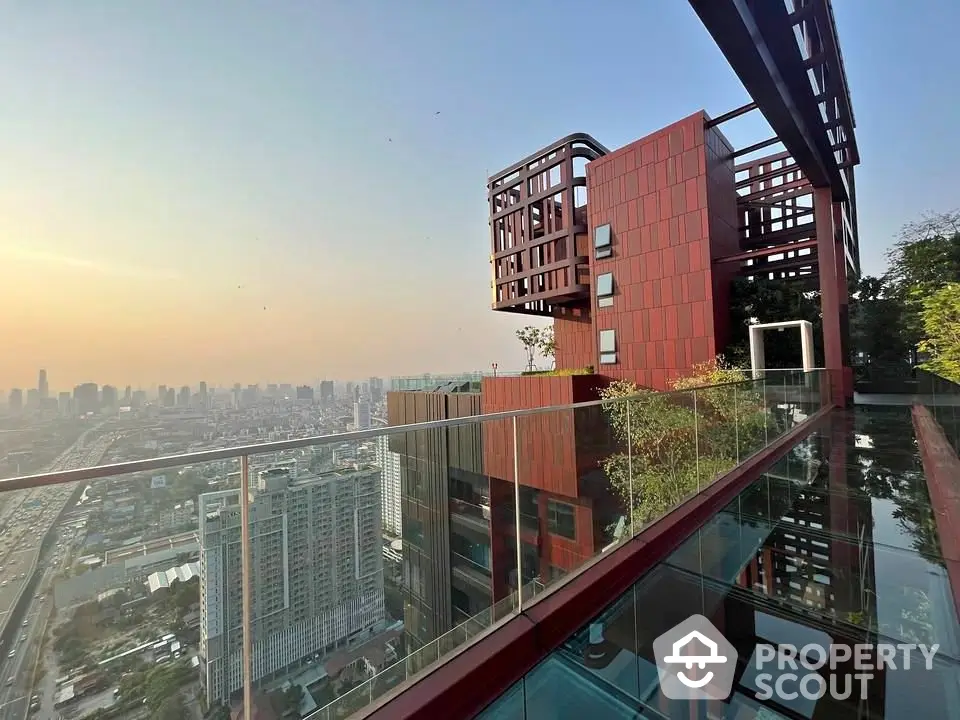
10,680
12,654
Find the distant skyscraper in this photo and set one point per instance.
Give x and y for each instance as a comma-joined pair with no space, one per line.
316,554
33,399
109,398
64,405
138,399
389,463
326,393
162,394
204,395
376,390
305,392
237,394
86,398
127,396
361,415
349,393
183,398
170,399
42,385
16,400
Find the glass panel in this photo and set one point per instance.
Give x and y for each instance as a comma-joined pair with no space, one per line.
568,456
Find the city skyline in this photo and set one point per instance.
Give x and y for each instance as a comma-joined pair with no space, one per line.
174,206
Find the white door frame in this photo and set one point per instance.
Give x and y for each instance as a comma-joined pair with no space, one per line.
757,359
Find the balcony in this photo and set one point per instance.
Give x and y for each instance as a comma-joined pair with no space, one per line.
243,552
538,225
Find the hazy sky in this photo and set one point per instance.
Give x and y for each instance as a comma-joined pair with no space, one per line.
154,156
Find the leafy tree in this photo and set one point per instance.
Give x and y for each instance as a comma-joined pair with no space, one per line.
877,321
536,341
172,708
941,325
676,447
926,258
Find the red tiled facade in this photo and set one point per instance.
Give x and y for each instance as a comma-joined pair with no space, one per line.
670,202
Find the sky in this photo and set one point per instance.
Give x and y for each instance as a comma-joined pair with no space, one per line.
264,192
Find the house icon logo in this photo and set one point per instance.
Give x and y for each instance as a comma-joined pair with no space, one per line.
695,661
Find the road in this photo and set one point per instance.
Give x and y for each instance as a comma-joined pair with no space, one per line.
24,520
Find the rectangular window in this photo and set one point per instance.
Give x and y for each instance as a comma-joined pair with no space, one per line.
608,347
560,519
605,290
602,242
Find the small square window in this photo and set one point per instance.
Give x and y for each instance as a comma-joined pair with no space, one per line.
605,285
608,358
601,242
608,341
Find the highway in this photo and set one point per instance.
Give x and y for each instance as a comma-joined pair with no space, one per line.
24,521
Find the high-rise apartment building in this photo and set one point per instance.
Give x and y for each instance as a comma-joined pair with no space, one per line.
317,558
16,400
389,463
162,395
127,400
170,398
204,395
42,385
64,404
361,415
305,393
183,397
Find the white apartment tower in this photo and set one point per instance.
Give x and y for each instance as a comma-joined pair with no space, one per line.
317,568
389,463
361,415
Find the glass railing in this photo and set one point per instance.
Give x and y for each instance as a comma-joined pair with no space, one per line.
305,577
942,398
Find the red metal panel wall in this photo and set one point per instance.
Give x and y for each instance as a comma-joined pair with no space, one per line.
576,344
653,193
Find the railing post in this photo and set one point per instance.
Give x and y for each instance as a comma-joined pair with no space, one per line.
736,422
246,578
696,438
630,467
766,413
516,514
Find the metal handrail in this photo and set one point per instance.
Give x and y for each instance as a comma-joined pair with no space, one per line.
95,472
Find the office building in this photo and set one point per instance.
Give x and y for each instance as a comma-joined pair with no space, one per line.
376,390
109,399
305,393
33,399
64,404
42,386
138,399
204,395
361,415
317,556
162,395
183,397
390,483
86,398
127,400
327,393
170,399
16,400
